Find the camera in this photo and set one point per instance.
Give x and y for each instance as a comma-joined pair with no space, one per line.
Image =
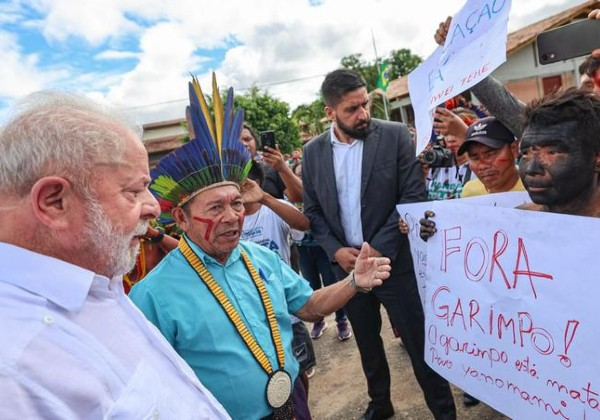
438,157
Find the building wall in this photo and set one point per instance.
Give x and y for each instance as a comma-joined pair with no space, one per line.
168,129
162,138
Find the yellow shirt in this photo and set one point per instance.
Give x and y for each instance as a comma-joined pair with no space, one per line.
476,187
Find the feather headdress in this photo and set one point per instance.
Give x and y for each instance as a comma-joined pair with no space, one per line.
213,156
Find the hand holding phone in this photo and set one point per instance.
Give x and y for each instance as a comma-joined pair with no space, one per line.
568,41
267,138
273,157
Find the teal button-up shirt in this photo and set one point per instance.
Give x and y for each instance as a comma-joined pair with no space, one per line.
177,301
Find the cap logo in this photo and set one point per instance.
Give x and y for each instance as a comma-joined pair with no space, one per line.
479,126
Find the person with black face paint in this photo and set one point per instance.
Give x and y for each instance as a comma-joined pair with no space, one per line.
560,153
559,160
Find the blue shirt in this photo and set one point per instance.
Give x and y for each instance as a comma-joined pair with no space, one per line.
175,299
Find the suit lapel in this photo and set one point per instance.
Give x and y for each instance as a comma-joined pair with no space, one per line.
369,151
328,179
326,153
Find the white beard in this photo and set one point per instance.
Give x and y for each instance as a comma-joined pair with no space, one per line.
111,242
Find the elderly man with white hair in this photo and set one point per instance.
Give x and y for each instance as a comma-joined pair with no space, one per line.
74,184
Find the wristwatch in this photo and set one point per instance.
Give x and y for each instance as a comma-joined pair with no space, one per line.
359,289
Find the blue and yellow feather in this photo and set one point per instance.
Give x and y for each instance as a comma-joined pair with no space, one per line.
213,154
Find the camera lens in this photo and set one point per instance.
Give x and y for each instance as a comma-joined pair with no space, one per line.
429,157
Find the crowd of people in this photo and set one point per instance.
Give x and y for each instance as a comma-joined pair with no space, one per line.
105,313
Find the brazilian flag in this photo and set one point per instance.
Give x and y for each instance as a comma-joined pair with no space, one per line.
383,81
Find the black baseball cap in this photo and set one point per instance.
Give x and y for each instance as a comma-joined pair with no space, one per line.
488,131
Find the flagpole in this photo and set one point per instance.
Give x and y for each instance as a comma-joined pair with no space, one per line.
385,109
384,95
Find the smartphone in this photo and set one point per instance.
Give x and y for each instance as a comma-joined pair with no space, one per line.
568,41
267,138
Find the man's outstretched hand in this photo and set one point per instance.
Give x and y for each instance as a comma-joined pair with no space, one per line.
370,271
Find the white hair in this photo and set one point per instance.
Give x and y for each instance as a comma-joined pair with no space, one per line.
59,134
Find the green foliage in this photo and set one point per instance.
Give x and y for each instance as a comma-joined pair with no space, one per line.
403,62
311,118
263,112
369,71
186,138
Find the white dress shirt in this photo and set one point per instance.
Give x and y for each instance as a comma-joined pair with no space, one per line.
347,166
73,346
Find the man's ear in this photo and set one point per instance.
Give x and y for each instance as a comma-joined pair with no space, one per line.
514,147
52,199
330,112
180,218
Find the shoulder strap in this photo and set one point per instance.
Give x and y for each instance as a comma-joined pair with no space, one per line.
467,175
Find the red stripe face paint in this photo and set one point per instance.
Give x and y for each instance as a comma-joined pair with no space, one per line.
210,225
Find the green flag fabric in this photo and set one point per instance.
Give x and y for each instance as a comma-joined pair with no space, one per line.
383,81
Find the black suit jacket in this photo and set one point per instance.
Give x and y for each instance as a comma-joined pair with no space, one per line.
390,175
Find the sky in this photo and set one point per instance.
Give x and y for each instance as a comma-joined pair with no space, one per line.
138,54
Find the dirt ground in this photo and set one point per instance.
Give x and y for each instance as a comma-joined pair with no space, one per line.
338,390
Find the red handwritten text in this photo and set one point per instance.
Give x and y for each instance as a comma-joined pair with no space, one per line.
477,260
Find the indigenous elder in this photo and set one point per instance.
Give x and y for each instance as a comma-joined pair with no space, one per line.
354,175
226,305
73,179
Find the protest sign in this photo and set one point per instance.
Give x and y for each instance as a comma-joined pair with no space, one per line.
509,199
511,309
475,46
412,213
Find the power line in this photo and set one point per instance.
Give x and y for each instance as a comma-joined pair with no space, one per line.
261,86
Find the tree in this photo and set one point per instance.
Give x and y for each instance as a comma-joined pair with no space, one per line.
403,62
264,112
311,118
369,71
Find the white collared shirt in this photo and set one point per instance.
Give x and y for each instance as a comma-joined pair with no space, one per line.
74,347
347,166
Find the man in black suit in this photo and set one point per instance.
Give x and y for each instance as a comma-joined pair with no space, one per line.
354,175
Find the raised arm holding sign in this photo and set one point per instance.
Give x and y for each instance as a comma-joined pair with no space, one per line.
476,47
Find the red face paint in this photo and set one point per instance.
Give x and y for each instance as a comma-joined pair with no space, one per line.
210,225
596,80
